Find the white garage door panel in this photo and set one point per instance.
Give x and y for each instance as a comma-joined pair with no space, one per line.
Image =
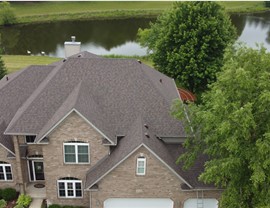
208,203
138,203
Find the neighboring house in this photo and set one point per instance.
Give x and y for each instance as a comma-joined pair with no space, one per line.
98,133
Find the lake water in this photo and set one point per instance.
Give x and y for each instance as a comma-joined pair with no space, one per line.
111,36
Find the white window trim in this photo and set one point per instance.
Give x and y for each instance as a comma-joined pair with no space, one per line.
4,171
141,159
76,152
66,190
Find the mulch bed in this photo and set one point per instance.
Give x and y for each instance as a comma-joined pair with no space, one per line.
11,204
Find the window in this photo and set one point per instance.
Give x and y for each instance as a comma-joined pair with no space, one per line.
141,165
30,139
69,188
76,152
5,172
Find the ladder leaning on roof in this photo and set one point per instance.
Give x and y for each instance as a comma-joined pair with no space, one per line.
200,202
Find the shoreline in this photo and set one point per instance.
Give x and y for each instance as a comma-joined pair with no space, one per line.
46,12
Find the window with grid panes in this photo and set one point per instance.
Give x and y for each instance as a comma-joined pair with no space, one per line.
141,166
69,188
5,172
76,152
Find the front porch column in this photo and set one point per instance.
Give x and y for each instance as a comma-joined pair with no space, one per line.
20,180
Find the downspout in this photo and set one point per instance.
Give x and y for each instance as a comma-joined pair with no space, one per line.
90,199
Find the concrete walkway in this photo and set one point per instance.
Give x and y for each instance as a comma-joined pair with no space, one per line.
36,203
37,194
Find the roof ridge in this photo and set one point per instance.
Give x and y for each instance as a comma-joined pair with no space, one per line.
154,84
74,92
32,97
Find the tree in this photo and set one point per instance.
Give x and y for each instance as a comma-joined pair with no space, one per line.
7,16
232,126
187,42
3,70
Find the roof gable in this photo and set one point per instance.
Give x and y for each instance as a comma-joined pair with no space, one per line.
117,89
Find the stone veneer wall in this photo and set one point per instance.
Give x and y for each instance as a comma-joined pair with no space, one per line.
3,157
73,127
159,182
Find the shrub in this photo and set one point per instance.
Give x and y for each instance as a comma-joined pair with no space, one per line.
7,15
24,200
19,206
3,203
9,194
267,4
68,206
1,189
55,206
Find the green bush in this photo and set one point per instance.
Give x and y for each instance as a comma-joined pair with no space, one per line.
7,16
68,206
19,206
55,206
1,189
9,194
267,3
3,203
24,200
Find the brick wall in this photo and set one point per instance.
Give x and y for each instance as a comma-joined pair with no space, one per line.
3,157
159,182
72,127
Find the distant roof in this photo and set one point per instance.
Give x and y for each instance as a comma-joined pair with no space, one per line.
186,95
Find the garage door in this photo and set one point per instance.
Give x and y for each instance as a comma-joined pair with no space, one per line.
138,203
206,203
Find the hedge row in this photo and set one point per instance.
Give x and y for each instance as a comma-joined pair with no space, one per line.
8,194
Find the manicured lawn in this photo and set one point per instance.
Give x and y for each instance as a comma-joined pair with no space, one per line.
16,62
50,11
28,12
243,6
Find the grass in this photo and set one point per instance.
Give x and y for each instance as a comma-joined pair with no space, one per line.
243,6
30,12
16,62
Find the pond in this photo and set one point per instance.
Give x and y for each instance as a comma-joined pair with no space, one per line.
111,36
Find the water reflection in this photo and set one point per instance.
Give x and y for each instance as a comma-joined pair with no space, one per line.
100,37
253,29
112,36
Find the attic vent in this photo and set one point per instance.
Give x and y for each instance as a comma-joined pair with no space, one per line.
64,60
139,61
7,78
146,126
147,135
79,55
160,80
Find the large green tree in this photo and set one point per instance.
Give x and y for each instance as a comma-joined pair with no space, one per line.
187,42
232,126
3,70
7,16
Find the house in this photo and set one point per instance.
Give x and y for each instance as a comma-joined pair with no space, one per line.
97,132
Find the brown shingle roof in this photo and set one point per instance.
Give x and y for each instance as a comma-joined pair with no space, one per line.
112,93
14,92
166,153
116,95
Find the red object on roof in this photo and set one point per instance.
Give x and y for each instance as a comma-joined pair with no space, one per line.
186,95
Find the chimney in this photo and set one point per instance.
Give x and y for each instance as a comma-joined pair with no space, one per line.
72,47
